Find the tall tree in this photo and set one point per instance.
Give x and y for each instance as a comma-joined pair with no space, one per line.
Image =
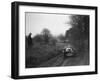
79,31
80,27
46,34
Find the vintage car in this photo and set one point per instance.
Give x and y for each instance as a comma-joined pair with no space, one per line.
68,52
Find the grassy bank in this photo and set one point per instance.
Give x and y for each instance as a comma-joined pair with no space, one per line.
40,53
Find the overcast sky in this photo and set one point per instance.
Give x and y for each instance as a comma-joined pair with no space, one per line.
56,23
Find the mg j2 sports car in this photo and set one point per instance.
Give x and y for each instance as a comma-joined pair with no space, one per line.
68,52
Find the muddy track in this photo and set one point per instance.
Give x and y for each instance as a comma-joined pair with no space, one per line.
69,61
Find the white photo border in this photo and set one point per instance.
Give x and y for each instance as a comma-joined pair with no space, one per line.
54,70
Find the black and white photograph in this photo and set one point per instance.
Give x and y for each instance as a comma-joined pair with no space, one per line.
54,40
50,40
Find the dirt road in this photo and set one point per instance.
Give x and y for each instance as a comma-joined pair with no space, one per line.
68,61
